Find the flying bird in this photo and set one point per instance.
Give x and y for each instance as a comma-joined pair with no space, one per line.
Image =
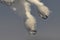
30,22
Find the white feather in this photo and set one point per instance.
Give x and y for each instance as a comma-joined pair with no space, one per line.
31,21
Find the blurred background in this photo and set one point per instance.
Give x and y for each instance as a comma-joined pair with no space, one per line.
12,22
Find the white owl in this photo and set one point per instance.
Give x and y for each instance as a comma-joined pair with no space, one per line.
31,21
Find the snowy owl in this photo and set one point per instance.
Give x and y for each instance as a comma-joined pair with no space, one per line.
31,21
